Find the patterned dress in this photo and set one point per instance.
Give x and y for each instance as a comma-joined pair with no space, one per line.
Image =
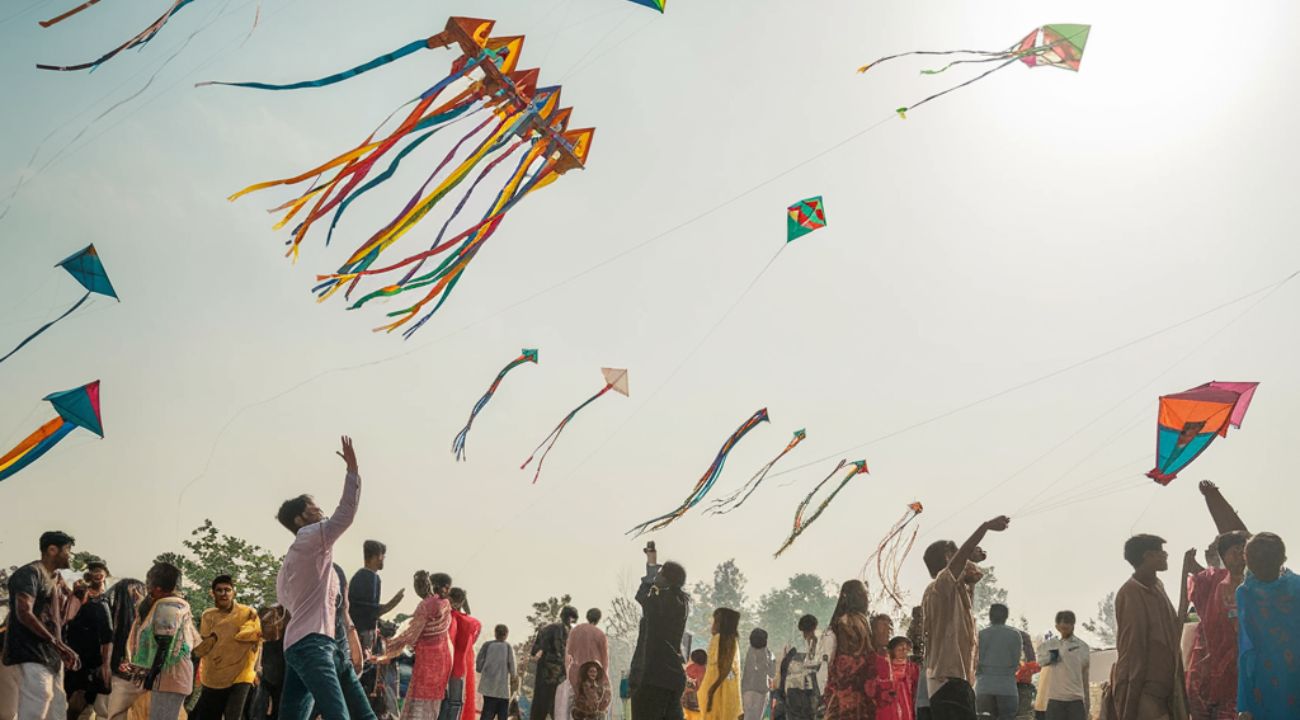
852,670
428,632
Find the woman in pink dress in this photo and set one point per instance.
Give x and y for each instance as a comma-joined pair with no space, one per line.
894,688
428,633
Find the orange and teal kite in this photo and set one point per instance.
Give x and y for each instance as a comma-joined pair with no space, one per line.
1189,422
76,408
1060,46
85,267
804,217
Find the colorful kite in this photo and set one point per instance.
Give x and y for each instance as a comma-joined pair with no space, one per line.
856,468
142,38
652,4
1058,46
76,408
804,217
84,267
615,379
1189,422
521,120
738,498
706,481
890,554
527,355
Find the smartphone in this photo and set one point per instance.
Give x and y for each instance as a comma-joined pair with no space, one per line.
650,546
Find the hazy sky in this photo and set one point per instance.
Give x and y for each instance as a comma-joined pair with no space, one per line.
1007,231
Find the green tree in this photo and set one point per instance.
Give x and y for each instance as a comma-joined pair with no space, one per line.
81,559
212,553
544,613
726,590
987,593
1103,626
779,610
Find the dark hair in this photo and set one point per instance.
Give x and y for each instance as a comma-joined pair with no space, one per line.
1136,548
569,613
1065,616
123,598
897,640
457,596
290,510
58,538
439,580
373,548
758,638
728,624
699,657
936,556
97,564
222,580
853,599
807,623
594,615
1267,549
164,576
501,632
1230,540
674,574
998,614
423,583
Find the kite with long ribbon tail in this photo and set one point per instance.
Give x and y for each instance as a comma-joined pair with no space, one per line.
524,121
615,379
1060,46
85,267
857,467
706,481
527,355
890,554
76,408
140,39
724,505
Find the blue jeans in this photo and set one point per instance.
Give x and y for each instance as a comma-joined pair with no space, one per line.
315,669
1001,707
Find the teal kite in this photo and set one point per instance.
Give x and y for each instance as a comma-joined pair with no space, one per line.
652,4
76,408
86,268
804,217
527,355
857,467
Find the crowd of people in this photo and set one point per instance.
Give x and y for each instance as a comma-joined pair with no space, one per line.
134,651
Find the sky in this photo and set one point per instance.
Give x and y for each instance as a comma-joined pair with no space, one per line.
1087,231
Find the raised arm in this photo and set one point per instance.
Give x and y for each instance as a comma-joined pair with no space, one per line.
412,632
346,512
388,606
964,554
1225,516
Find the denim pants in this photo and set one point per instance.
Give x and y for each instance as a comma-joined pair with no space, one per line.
317,670
1001,707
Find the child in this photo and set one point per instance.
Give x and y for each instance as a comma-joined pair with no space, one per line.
592,700
695,670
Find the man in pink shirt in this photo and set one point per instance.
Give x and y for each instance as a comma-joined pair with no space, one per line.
308,588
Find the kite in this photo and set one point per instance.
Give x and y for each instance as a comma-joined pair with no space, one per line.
141,39
706,481
1059,46
521,121
858,467
738,498
804,217
615,379
76,408
527,355
890,554
85,267
1189,422
652,4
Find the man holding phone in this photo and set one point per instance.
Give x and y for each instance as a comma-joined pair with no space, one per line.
658,658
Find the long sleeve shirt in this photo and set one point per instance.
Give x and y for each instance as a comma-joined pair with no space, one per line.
664,612
1000,649
587,643
307,585
497,668
232,657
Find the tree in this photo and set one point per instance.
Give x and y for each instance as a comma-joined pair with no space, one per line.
1103,627
81,559
727,590
544,613
779,610
987,593
212,553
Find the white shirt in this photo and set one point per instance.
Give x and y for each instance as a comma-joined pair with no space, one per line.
1067,681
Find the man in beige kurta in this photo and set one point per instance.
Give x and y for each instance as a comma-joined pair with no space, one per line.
1146,682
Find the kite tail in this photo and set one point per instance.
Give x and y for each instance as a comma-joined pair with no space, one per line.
887,58
143,37
719,507
34,446
398,54
458,445
903,110
46,326
549,442
857,468
67,14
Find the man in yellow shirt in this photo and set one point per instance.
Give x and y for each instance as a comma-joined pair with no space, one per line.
232,637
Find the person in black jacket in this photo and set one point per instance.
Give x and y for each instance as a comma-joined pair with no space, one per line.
661,676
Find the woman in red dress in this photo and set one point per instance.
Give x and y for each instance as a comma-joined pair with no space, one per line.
428,632
853,664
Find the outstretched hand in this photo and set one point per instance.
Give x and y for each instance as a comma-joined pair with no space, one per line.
998,524
1206,487
348,454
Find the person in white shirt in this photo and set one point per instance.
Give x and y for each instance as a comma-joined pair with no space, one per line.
1065,665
